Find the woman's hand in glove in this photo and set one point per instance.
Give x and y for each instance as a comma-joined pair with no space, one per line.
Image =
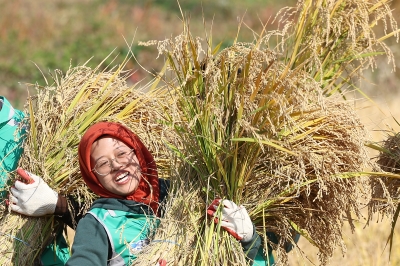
234,219
33,197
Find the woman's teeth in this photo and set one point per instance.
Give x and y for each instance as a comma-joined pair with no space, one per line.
121,177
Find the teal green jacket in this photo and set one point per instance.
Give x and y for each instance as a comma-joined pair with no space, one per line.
128,233
12,136
91,243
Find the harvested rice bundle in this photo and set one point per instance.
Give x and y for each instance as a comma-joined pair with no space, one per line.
389,157
58,116
265,137
386,184
253,120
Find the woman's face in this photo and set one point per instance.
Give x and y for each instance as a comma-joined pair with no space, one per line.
123,178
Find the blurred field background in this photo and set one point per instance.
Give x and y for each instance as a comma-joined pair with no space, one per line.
44,35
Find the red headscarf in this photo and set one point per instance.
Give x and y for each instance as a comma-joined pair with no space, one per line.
148,189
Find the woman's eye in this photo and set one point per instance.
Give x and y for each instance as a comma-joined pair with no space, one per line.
122,154
102,163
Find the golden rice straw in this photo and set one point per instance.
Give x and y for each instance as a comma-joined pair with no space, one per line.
58,115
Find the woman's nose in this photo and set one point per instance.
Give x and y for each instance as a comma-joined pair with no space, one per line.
115,164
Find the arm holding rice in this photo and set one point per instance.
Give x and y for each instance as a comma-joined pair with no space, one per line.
33,197
236,221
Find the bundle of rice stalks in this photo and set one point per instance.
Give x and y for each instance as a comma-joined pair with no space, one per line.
389,157
254,132
386,184
58,115
258,128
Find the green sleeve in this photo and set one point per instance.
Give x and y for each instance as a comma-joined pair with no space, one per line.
12,136
252,246
91,245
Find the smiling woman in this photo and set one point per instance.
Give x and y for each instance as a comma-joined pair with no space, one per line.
116,166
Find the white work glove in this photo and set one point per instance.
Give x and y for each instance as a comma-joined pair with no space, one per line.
235,219
34,197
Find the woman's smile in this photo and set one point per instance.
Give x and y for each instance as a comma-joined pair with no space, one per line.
122,178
